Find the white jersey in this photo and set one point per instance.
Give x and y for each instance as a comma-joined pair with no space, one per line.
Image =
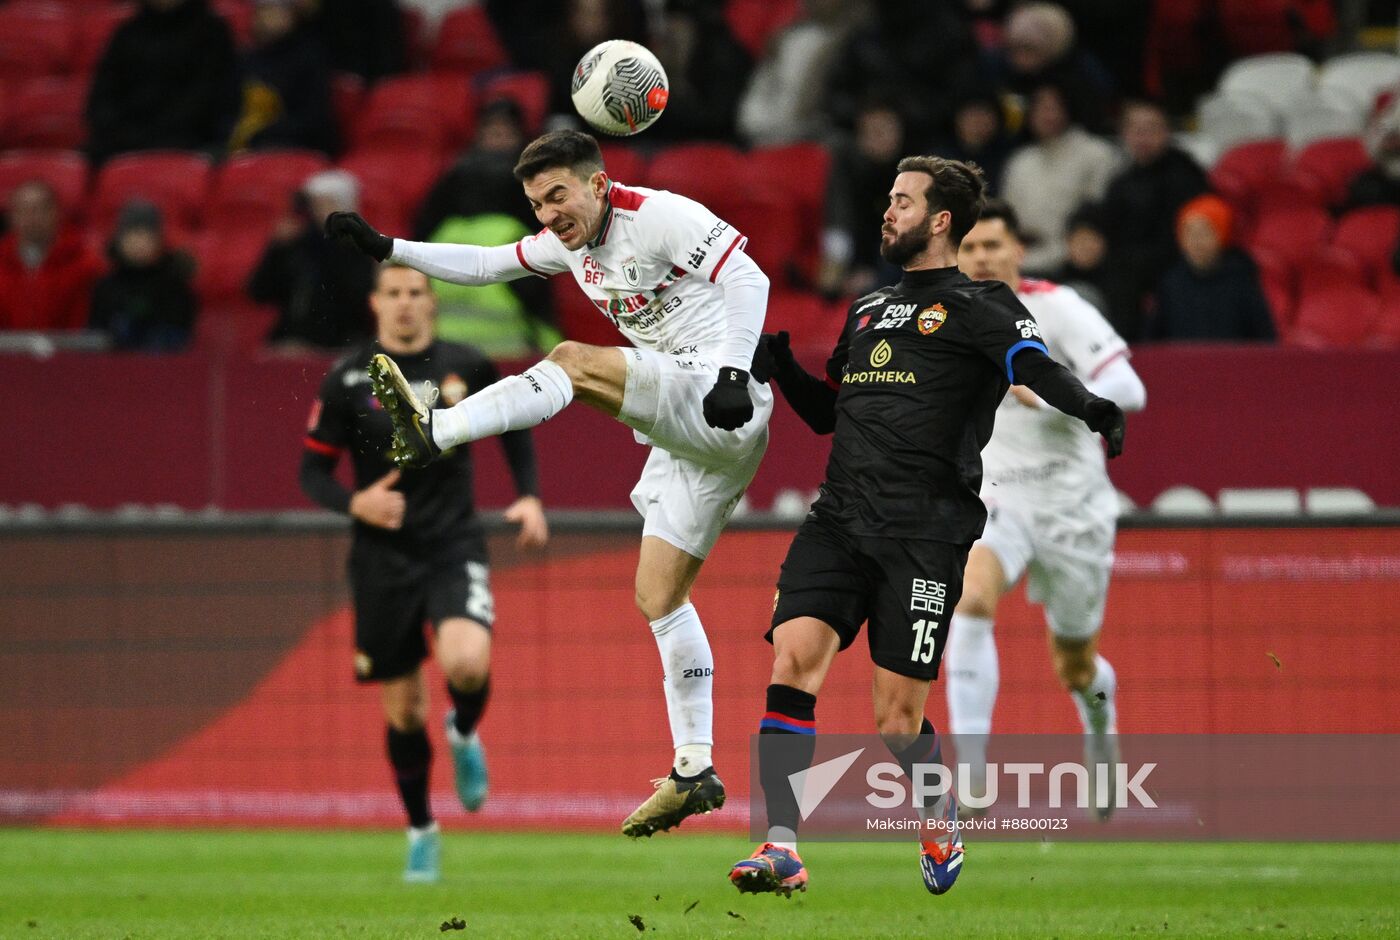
1053,455
651,270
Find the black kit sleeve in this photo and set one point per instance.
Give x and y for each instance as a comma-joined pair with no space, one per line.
327,434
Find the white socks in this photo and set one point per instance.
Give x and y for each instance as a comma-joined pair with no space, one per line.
973,675
512,404
690,669
1097,709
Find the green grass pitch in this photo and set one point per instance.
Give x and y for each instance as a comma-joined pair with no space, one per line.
145,885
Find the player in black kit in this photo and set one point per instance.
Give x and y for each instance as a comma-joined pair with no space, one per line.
910,392
417,554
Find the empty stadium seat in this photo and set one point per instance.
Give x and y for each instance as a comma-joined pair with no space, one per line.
251,191
467,42
1293,234
1331,267
1331,165
407,176
1337,501
578,318
417,111
35,40
46,113
624,164
798,173
65,170
1277,280
175,181
530,92
1285,192
1360,76
1341,317
1183,501
347,99
93,31
1319,119
1242,170
1279,78
1231,120
755,21
1386,334
709,173
1370,234
1259,501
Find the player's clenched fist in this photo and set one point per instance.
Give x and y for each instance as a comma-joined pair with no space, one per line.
727,406
378,504
350,227
1107,419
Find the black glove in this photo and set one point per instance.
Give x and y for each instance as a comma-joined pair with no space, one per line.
1107,419
772,356
349,228
728,405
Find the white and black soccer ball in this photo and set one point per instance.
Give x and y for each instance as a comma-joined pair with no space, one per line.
619,88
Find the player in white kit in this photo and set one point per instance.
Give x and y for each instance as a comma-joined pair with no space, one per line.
1051,512
675,280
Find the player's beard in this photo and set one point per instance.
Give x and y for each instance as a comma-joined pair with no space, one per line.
909,245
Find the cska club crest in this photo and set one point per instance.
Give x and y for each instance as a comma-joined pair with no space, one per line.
931,318
632,272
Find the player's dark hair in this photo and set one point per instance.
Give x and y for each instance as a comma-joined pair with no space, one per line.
573,150
955,186
994,209
383,266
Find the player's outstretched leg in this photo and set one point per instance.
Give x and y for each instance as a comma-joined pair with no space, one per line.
676,797
424,855
771,869
412,418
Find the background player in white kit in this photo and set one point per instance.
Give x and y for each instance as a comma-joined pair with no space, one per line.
1051,510
676,282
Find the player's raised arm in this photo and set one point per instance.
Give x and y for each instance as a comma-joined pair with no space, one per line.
458,264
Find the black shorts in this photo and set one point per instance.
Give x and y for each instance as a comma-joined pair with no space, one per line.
905,588
398,593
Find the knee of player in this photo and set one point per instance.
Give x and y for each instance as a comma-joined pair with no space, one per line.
978,600
572,357
656,602
1074,669
898,722
407,717
466,673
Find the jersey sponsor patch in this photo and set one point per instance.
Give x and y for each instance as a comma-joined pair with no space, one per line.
880,356
931,318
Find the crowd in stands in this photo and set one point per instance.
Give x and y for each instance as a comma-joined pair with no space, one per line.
1198,170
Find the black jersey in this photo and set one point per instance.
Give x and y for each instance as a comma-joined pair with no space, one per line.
920,369
438,497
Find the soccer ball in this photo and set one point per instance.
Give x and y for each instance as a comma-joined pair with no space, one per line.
619,88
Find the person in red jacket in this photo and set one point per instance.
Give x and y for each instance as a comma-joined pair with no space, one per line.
46,271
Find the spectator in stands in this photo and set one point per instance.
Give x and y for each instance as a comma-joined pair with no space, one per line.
146,301
46,270
785,97
319,286
286,85
364,37
1086,267
914,54
857,196
1214,293
979,135
1380,185
1038,47
1140,210
478,201
707,68
168,79
1064,167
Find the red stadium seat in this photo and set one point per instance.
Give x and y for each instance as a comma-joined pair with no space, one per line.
36,39
625,165
1341,317
1370,234
770,221
386,210
347,98
754,22
530,92
467,42
65,170
812,323
799,173
176,181
239,17
1387,331
1241,171
1293,234
413,112
1331,267
1276,279
1330,165
224,261
406,176
47,113
236,328
715,174
94,30
1286,192
253,190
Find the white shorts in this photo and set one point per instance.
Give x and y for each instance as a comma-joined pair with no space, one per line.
1066,556
696,474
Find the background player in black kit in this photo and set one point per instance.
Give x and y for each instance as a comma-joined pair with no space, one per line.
910,392
417,555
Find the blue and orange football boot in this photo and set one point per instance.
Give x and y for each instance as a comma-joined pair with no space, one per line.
770,869
941,858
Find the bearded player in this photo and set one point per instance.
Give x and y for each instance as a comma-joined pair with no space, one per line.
675,280
1051,513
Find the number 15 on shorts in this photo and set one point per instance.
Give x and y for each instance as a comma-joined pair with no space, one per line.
925,634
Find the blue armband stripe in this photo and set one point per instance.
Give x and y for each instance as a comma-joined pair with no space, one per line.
1023,344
